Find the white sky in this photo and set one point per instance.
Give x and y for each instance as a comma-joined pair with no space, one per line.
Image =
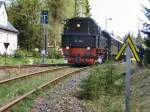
125,14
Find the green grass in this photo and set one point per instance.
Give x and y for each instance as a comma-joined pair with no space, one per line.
103,91
105,104
28,60
10,91
14,89
140,97
26,104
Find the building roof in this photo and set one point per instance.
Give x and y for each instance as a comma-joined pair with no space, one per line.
1,3
9,27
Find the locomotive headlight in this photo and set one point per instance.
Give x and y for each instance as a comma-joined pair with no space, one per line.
78,25
88,48
67,47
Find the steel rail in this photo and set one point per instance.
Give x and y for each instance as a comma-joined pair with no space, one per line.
34,65
53,82
23,66
29,75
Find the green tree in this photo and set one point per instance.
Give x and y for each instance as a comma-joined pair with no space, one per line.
24,14
139,40
86,7
146,31
82,6
59,11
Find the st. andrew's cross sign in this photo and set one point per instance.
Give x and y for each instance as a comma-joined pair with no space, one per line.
128,45
129,42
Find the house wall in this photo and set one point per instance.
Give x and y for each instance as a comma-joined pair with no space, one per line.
10,37
3,16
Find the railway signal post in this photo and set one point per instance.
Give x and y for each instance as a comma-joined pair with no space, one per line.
128,45
44,21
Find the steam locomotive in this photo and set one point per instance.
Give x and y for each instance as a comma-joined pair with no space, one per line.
83,42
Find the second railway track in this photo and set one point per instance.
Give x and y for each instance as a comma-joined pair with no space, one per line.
60,76
31,65
30,75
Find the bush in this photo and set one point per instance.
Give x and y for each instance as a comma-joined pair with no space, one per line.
35,53
55,54
101,81
19,53
24,53
147,58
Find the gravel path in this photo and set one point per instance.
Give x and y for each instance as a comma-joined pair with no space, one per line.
62,98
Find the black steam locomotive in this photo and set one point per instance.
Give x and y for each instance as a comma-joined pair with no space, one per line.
83,41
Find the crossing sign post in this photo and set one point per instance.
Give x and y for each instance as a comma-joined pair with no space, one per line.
128,45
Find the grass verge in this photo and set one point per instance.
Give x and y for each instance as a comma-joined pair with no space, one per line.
27,103
103,91
12,90
28,60
140,97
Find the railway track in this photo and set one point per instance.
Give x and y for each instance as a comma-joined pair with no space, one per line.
29,75
23,66
12,103
29,66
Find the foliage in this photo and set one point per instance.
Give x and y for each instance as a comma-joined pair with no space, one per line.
28,60
147,58
59,11
146,31
139,39
19,54
104,85
24,14
86,8
102,81
54,54
35,53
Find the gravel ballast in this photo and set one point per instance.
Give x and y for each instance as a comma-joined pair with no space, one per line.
62,98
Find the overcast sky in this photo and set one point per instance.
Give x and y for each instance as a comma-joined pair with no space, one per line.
125,14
